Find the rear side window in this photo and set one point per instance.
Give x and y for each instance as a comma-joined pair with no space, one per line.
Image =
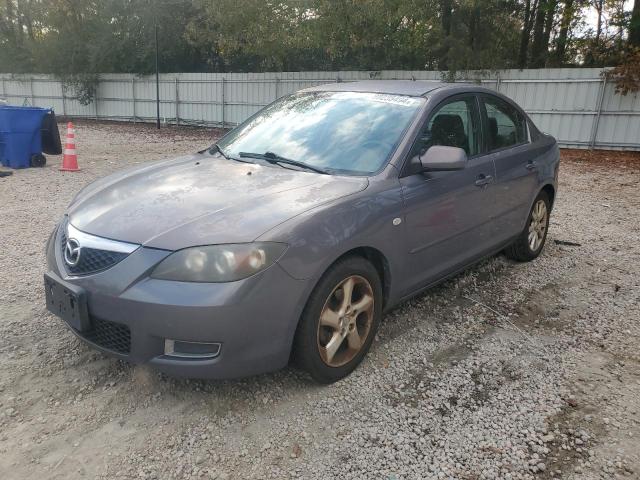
506,126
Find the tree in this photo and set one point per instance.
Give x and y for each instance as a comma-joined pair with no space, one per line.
530,9
568,12
626,76
78,39
446,12
634,25
541,32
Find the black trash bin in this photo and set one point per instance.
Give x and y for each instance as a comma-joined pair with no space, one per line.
51,144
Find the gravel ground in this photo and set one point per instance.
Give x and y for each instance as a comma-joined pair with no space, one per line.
510,371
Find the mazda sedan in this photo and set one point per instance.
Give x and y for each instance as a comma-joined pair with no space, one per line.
291,236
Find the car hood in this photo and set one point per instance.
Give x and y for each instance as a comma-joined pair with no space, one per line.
201,199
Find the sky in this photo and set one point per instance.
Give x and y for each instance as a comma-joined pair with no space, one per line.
591,14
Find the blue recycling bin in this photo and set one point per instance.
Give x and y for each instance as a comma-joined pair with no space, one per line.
20,135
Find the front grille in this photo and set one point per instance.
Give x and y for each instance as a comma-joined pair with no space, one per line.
91,260
109,335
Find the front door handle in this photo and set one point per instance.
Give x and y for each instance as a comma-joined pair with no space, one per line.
531,166
483,180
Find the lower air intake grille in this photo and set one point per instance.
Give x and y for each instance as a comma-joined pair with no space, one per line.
109,335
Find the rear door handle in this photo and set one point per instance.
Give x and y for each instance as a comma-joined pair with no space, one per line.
483,180
531,166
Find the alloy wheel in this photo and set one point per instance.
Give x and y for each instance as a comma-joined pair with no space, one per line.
538,225
345,321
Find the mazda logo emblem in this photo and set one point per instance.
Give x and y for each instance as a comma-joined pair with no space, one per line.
72,252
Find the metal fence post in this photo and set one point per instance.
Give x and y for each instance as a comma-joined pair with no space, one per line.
596,121
64,103
177,103
498,82
223,102
4,88
133,97
95,99
33,98
277,83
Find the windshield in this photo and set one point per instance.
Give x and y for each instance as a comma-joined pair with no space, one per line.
339,132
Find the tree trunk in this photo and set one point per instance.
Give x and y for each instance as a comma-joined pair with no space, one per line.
28,15
548,26
473,25
526,33
447,12
599,7
536,60
593,53
10,18
634,25
563,35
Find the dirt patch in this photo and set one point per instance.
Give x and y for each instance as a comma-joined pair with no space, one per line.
604,158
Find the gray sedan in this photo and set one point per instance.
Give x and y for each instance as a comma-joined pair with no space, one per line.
289,238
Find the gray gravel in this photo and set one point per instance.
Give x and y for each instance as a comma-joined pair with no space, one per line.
508,371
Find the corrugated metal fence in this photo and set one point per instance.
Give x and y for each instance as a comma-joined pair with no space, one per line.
577,106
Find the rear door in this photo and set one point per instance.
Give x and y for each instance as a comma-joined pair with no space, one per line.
509,146
448,214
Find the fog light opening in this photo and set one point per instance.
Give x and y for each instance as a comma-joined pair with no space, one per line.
192,350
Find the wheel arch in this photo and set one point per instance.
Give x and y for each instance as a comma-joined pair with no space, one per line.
550,190
378,260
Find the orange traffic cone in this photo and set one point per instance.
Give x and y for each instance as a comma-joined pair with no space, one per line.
70,159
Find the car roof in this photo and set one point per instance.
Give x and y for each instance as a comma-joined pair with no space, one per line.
414,88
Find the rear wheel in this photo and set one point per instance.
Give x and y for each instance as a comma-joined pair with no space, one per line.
530,242
340,320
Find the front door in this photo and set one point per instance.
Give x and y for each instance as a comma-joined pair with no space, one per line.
448,214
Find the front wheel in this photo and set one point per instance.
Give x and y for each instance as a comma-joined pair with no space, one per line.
340,320
530,242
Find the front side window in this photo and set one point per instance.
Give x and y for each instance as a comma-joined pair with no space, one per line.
506,126
455,124
351,133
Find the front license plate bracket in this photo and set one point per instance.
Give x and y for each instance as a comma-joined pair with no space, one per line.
68,302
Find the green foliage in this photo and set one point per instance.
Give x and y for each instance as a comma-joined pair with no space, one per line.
81,86
95,36
77,39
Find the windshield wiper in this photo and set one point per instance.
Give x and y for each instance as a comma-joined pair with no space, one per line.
277,159
216,148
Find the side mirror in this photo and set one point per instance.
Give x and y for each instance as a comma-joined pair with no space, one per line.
441,158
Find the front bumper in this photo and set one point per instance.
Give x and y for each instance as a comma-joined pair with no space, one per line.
133,316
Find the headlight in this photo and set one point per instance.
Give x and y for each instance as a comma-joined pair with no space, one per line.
218,263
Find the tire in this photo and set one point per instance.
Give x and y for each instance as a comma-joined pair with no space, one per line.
38,160
524,249
326,349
